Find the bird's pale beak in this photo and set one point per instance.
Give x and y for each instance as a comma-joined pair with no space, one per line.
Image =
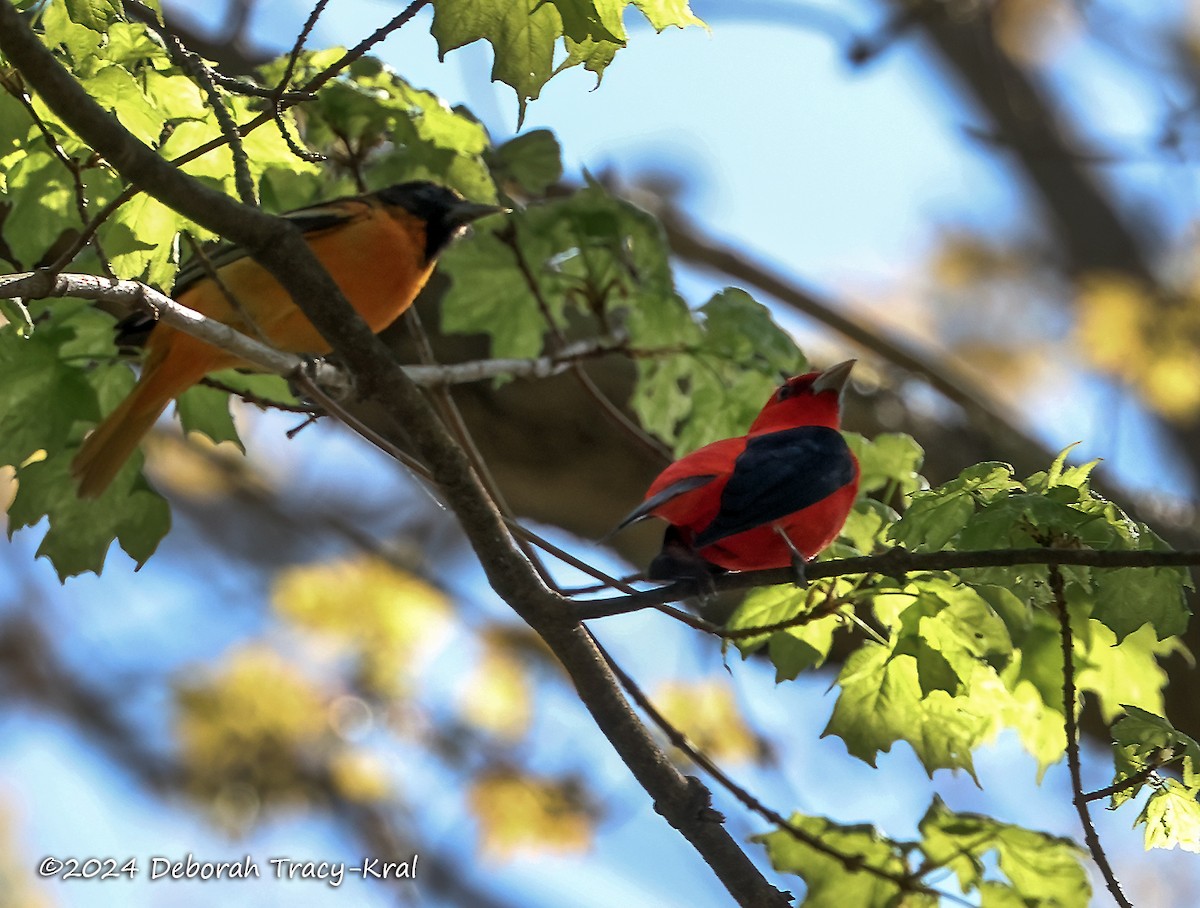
834,378
465,212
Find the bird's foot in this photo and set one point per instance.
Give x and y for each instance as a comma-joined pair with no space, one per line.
679,561
798,560
327,379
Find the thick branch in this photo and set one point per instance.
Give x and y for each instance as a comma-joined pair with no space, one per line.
279,247
1090,229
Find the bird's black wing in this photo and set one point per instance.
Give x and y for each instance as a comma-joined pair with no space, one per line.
778,474
133,330
309,220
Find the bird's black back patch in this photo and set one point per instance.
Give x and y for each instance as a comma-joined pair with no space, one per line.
777,474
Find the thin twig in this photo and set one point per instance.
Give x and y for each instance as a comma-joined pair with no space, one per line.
508,236
281,87
90,228
293,144
360,49
895,562
827,608
309,24
201,72
452,416
1069,696
853,863
70,164
1138,778
256,400
235,303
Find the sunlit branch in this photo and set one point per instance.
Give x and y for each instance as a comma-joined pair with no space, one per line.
142,298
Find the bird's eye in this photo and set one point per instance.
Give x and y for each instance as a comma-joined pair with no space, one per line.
784,392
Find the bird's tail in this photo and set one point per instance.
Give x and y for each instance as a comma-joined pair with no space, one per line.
114,440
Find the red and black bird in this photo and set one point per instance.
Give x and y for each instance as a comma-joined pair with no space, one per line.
775,496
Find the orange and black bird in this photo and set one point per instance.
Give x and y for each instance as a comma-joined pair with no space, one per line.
379,247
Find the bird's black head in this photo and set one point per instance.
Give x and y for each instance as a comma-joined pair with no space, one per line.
443,210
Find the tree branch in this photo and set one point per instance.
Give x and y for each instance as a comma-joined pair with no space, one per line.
280,248
1138,778
140,297
895,562
1069,706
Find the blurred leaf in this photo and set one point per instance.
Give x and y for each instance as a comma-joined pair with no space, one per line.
1126,329
519,813
532,160
385,615
361,777
497,696
1113,313
255,722
709,717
